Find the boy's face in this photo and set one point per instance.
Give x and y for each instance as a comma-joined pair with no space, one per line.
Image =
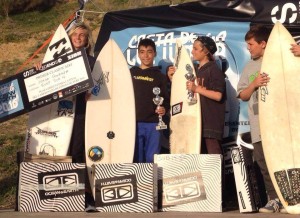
256,49
79,38
198,51
146,55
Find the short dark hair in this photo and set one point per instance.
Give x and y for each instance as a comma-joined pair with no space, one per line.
147,42
258,32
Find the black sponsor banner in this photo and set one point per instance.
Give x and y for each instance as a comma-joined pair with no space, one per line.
192,13
65,76
117,190
61,184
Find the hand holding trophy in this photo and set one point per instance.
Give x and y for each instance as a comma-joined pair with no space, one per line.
158,101
190,77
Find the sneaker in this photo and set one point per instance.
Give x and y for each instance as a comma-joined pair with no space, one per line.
283,210
272,206
90,209
89,203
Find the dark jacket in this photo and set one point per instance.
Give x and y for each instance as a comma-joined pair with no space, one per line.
144,80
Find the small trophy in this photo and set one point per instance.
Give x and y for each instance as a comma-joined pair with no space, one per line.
190,76
158,101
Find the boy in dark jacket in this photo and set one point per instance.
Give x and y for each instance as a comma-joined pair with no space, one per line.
145,78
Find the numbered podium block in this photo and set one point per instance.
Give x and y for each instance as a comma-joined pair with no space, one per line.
126,187
45,187
189,182
245,179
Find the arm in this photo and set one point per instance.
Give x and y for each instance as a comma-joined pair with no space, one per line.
260,80
295,49
214,88
214,95
170,72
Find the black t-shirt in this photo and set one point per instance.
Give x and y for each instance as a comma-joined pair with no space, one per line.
144,80
213,112
80,98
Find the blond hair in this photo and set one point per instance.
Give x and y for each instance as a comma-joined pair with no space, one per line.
90,44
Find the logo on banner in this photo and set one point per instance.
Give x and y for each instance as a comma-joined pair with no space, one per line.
10,98
183,189
61,183
288,13
116,190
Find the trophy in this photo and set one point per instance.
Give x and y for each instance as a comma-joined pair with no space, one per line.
158,101
190,76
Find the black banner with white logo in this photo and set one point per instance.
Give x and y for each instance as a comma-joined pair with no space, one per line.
61,184
117,190
31,89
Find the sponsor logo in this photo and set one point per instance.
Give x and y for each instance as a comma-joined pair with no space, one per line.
165,43
183,191
59,48
263,93
40,103
28,73
288,12
50,64
46,133
60,181
177,58
236,157
116,190
117,193
242,200
74,55
65,108
145,78
95,153
102,80
9,97
177,109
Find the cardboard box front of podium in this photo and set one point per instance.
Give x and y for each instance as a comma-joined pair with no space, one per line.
45,187
189,182
126,187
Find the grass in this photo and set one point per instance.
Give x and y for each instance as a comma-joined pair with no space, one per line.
12,139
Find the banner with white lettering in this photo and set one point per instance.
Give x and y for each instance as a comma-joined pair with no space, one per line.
57,79
225,21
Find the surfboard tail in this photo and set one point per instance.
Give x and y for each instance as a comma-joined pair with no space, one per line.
293,209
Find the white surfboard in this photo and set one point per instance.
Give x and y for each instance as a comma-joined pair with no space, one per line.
50,127
279,117
185,123
110,113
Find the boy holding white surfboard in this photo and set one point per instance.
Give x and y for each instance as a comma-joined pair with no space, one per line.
211,88
81,37
247,90
149,85
212,93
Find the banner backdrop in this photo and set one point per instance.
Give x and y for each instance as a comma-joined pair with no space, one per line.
225,21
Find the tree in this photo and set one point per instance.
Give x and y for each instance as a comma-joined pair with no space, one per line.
5,6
